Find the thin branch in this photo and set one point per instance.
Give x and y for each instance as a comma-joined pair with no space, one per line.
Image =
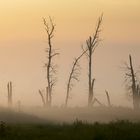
108,98
42,97
74,75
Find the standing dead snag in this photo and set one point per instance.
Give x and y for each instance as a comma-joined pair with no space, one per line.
51,68
134,84
9,88
134,87
108,98
74,74
92,43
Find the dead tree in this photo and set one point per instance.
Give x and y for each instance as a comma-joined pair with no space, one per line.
133,83
9,88
134,86
92,42
108,98
74,76
51,53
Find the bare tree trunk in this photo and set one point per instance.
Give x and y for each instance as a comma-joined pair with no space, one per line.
67,95
131,77
90,74
108,98
134,87
92,43
50,54
9,88
48,70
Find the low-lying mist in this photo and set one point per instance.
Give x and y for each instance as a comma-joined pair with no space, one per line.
61,115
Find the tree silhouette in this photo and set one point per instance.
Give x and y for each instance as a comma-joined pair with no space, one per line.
133,83
74,75
108,98
51,53
91,44
10,99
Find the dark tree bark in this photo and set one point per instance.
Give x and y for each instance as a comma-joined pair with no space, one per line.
92,43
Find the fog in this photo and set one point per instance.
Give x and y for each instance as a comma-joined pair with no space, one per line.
55,115
29,77
23,41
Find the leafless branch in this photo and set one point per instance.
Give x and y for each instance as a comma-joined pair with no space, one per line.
74,75
42,97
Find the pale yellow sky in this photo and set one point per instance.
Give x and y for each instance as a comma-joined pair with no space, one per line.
23,41
21,19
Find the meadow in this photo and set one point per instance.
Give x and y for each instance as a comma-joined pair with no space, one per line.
119,130
96,123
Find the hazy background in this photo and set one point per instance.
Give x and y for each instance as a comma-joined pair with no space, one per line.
23,41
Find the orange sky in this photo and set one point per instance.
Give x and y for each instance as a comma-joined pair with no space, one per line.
23,41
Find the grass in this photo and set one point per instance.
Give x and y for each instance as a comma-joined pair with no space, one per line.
119,130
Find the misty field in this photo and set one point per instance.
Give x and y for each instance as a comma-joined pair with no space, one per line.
119,130
98,123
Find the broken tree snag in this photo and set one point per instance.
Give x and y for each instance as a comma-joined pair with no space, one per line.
42,97
92,86
108,98
9,88
91,44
